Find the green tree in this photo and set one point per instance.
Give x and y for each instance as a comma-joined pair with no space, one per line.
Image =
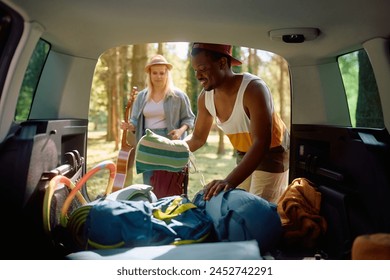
273,69
236,52
98,100
254,61
30,80
193,86
349,68
138,62
368,109
116,84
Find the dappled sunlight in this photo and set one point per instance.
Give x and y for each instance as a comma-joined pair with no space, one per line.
210,156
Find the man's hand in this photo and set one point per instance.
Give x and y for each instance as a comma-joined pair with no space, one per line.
215,187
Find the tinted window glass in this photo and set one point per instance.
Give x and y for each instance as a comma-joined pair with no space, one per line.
30,81
11,28
362,92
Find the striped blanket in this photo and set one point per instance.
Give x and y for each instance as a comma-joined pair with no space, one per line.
155,152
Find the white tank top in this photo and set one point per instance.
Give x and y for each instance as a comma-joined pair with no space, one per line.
237,127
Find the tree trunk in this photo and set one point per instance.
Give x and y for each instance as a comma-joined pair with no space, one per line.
160,49
116,84
236,52
109,59
253,62
140,57
138,62
193,85
281,86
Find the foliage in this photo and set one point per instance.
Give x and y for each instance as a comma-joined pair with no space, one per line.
30,80
368,109
99,99
361,90
349,68
236,52
193,85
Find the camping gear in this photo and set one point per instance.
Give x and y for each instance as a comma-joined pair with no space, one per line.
299,210
125,158
59,202
167,159
155,152
132,216
239,215
124,223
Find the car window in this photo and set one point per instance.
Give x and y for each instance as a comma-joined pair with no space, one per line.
30,81
108,99
11,28
361,89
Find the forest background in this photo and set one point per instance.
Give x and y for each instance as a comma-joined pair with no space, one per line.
122,68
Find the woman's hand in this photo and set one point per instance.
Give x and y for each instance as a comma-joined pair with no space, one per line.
175,134
128,126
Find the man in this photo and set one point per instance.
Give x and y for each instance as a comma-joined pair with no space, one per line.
242,106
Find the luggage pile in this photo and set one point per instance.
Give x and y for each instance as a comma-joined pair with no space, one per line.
130,217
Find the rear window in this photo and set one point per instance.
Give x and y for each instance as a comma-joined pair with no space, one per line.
30,81
364,103
11,28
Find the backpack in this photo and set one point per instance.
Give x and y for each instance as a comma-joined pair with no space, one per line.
239,215
110,224
130,217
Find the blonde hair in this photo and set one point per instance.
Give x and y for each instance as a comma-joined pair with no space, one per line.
169,85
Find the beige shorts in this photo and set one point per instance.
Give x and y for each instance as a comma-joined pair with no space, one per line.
269,186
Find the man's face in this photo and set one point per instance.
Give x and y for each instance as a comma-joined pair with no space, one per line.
206,70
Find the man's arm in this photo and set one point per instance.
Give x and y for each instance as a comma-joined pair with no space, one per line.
202,126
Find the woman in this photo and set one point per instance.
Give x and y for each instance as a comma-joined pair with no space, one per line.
161,107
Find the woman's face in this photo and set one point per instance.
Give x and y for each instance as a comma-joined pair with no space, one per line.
158,75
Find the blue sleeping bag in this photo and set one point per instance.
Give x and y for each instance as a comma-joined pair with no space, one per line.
239,215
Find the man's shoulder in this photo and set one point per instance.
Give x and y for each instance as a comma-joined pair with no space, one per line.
250,76
255,85
253,80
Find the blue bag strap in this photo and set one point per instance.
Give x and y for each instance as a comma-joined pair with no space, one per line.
220,205
174,209
226,215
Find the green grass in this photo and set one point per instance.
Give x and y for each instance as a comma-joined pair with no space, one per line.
207,163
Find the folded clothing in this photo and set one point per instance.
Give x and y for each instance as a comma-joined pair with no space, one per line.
299,210
155,152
